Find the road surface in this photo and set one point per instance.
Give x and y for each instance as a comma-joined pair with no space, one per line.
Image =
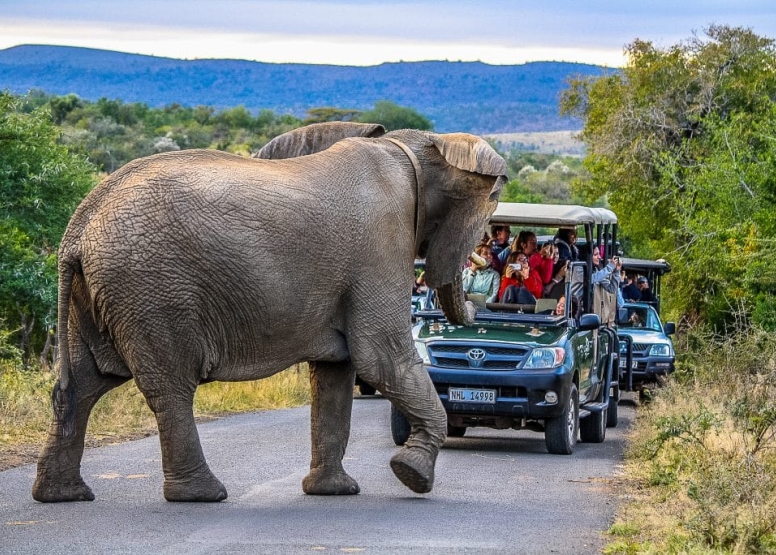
495,492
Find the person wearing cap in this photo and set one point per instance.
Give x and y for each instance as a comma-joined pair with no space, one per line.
630,291
646,293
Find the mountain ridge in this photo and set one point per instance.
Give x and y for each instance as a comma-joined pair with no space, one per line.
457,96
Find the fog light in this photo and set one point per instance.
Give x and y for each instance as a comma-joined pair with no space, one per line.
550,397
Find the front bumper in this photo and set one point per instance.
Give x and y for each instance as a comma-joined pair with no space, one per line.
519,393
648,369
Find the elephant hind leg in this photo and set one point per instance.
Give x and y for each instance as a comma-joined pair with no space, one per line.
330,411
59,464
187,476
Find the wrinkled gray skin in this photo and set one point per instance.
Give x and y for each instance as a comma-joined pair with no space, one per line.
198,265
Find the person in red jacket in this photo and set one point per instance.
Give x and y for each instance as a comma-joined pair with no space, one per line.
541,262
509,276
522,277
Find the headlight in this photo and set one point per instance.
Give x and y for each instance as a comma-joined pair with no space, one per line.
545,357
420,347
660,350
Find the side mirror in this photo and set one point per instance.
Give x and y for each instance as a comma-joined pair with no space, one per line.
589,322
669,328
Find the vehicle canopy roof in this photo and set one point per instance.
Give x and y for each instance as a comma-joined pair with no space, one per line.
651,267
550,215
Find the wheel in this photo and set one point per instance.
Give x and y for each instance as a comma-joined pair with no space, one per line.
455,431
366,389
560,433
400,426
611,412
592,428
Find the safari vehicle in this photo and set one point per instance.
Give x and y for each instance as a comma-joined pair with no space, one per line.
653,270
523,366
646,350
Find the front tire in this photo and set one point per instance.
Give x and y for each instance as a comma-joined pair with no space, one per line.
592,428
560,433
400,426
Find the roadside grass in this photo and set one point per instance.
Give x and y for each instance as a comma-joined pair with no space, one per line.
25,407
701,463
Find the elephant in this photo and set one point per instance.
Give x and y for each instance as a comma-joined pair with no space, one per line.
198,265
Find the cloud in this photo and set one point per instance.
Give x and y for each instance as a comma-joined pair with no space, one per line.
367,32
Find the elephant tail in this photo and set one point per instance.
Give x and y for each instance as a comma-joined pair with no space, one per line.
63,396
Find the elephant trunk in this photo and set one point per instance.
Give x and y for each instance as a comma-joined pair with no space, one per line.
454,305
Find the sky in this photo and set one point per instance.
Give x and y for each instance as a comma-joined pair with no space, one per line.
368,32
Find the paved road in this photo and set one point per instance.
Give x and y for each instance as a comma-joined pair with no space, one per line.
495,492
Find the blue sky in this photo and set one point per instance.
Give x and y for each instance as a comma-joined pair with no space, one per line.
367,32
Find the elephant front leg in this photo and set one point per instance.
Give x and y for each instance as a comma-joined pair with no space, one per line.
410,389
187,476
332,403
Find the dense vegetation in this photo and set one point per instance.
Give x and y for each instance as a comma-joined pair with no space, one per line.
681,144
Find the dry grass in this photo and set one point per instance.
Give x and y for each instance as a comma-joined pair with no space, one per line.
701,470
122,414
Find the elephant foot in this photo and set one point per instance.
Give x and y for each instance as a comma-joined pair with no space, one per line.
414,467
53,491
321,482
208,490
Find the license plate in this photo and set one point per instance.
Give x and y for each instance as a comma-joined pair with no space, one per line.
624,363
472,395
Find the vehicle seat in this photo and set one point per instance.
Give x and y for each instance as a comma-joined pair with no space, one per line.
477,298
545,306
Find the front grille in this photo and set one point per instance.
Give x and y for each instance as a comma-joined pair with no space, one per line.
496,357
641,347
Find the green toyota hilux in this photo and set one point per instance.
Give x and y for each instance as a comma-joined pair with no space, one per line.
532,366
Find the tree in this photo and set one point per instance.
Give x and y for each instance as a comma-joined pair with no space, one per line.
328,113
681,143
41,184
394,117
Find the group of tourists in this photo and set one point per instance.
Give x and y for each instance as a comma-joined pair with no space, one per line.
517,272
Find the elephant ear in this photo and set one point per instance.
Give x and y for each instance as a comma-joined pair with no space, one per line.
315,138
472,154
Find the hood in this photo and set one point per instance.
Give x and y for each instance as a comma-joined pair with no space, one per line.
645,336
491,331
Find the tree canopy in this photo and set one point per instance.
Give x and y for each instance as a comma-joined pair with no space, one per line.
681,143
41,183
394,117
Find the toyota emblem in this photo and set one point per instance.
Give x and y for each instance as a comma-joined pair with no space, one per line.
476,357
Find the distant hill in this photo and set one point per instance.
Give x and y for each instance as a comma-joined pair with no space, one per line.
456,96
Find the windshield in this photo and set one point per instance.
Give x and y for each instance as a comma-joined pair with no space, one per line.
643,317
